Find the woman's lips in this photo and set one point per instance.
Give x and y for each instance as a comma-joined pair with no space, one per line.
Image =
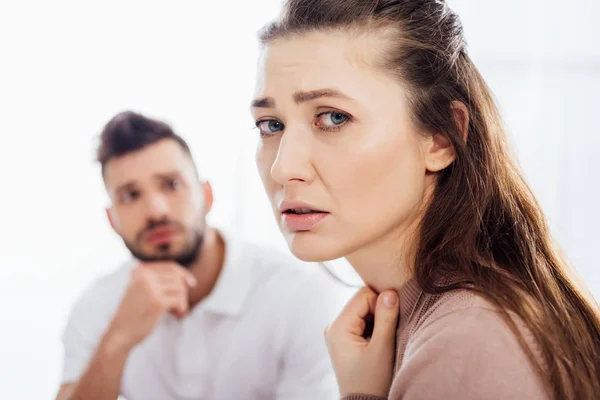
302,222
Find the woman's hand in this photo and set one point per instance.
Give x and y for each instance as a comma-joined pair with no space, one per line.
365,364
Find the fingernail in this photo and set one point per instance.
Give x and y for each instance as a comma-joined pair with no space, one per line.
390,299
192,280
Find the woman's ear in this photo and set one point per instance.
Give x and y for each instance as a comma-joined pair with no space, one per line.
439,152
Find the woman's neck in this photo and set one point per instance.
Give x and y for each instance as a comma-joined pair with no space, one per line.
384,264
389,261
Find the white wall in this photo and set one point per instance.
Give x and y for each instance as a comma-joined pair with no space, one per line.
67,67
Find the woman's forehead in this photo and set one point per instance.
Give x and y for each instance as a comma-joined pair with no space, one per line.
329,49
320,60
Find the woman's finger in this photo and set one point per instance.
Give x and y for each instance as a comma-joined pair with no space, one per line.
386,319
353,317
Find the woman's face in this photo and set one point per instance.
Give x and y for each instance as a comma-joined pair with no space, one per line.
341,162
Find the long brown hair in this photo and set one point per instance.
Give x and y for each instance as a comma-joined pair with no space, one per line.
483,224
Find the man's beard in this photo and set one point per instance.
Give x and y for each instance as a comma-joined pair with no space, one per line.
186,258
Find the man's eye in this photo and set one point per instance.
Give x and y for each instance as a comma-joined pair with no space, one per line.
173,184
129,197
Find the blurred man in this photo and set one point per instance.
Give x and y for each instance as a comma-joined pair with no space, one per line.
196,315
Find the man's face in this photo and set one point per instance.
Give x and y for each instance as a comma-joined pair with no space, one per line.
158,204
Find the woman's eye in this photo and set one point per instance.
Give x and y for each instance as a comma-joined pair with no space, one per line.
269,127
331,119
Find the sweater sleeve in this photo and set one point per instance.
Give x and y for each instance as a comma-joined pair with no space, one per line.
356,396
469,354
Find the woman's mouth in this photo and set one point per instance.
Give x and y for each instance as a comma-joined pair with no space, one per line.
302,219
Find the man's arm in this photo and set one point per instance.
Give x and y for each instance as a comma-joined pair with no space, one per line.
65,391
102,378
154,290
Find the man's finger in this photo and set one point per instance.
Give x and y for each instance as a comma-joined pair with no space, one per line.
176,303
176,269
187,275
386,319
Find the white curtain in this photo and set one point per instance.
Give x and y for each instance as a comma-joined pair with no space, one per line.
68,66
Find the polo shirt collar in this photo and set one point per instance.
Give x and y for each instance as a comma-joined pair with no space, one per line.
234,283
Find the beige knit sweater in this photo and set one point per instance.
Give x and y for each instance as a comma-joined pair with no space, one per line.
457,346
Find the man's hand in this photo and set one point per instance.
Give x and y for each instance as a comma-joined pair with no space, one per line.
155,289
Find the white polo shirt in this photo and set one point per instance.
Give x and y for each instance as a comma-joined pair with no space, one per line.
258,335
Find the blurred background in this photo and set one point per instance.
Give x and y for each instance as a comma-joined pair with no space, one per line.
66,67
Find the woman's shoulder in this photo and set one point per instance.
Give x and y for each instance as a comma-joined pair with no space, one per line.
468,313
463,337
458,301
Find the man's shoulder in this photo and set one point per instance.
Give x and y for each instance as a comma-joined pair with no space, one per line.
105,292
293,282
95,306
272,263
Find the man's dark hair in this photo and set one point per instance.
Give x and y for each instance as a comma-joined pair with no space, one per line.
128,131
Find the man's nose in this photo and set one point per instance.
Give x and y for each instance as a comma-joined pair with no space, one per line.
157,207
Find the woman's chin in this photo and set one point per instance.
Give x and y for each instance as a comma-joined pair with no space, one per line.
312,249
